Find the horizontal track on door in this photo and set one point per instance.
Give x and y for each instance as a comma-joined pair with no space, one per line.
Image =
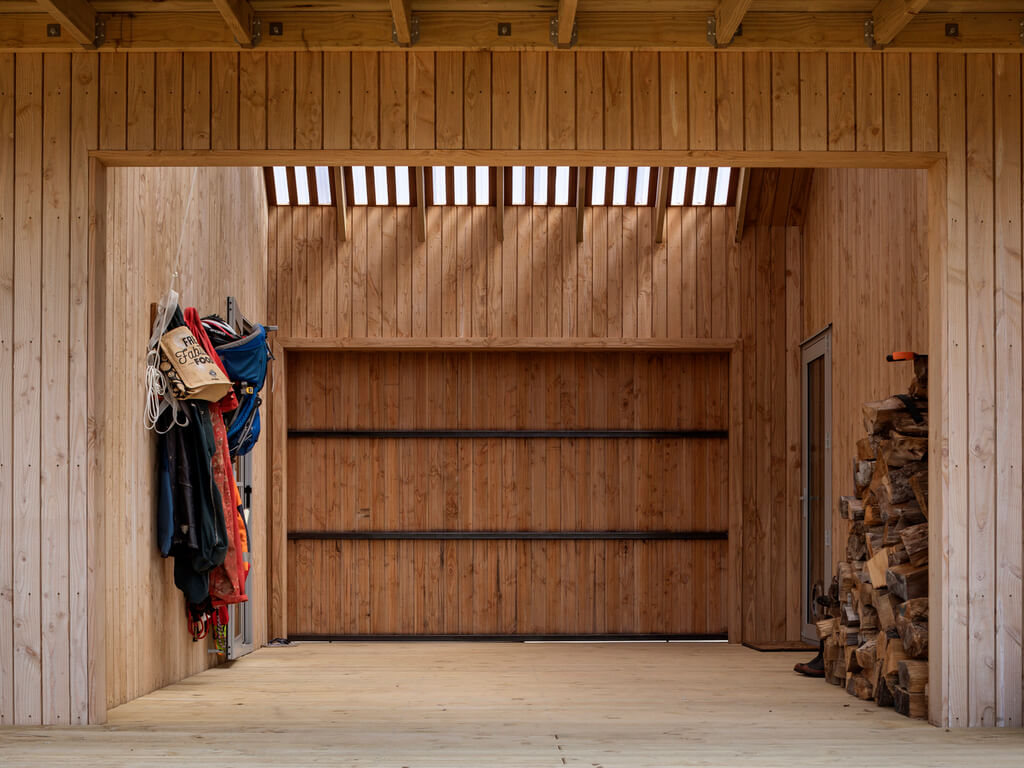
499,638
512,434
508,535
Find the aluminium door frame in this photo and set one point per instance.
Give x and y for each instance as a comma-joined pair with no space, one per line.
813,348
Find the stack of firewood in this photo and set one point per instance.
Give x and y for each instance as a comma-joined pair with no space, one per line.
876,642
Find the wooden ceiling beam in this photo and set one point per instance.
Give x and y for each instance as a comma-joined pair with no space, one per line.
661,203
240,18
341,204
77,16
499,203
404,31
581,201
566,22
891,16
420,219
315,30
728,17
742,190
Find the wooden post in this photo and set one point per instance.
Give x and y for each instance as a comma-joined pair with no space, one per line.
96,561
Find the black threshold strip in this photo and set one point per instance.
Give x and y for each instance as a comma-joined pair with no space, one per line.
508,535
509,638
520,434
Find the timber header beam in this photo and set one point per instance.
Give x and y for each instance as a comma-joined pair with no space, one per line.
78,16
891,16
530,30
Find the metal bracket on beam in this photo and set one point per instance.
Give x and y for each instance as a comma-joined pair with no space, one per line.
553,33
711,31
869,34
100,32
414,32
256,31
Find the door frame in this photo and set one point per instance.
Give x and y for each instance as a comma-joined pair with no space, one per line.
814,348
935,163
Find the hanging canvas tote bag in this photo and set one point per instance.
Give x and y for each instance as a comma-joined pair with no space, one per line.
192,373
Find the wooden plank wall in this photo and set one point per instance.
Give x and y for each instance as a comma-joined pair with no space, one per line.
223,252
865,270
967,106
502,484
463,281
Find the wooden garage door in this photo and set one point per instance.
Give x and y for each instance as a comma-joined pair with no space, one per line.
518,494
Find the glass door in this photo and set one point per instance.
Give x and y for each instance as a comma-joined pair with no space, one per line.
816,471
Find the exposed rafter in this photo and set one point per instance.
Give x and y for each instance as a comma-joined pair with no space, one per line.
891,16
728,17
499,202
581,201
78,17
566,22
341,204
421,204
661,203
241,20
742,190
401,15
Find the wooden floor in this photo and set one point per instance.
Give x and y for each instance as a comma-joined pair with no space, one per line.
486,704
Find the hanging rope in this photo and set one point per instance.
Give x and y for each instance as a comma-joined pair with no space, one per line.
158,388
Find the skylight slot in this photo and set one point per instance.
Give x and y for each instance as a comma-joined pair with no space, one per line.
437,179
402,196
518,185
301,186
359,195
620,185
540,185
380,185
281,185
483,192
461,192
700,186
643,185
722,186
323,185
597,186
562,185
678,196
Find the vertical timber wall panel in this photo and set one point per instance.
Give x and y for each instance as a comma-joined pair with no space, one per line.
857,97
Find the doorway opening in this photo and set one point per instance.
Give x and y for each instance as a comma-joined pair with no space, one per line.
816,474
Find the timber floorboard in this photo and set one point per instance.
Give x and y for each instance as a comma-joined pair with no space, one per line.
505,704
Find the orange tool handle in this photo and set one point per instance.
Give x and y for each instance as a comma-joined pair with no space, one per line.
892,358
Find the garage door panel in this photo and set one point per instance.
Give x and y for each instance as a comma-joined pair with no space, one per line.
502,587
358,391
348,490
470,484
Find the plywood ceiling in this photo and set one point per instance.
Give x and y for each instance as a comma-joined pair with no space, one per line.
150,25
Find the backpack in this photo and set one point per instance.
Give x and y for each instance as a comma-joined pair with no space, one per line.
245,359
